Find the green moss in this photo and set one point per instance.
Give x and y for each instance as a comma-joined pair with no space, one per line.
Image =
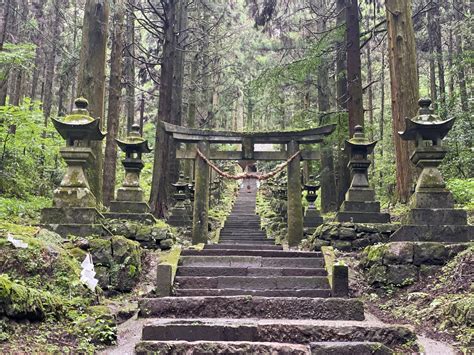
375,253
171,257
18,301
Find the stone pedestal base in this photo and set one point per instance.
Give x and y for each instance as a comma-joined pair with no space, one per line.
146,218
77,221
359,211
179,217
129,207
312,218
434,233
362,217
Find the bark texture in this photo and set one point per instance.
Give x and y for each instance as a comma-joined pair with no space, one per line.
91,78
115,94
404,86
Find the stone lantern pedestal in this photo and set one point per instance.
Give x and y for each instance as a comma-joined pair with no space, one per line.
432,216
179,214
312,217
359,205
129,203
74,209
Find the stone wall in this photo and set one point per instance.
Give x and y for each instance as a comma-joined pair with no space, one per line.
349,236
403,263
150,236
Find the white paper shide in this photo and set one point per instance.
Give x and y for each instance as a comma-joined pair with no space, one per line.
88,273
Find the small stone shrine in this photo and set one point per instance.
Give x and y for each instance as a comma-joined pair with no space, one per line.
312,217
360,205
74,205
129,203
179,215
432,216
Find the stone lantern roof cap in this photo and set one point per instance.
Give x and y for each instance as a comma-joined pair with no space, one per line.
426,124
180,182
134,142
359,140
79,125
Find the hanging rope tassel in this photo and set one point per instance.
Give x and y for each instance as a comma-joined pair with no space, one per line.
267,176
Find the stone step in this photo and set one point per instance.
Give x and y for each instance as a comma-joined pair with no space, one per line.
214,347
243,246
248,242
265,253
349,348
318,334
251,261
313,293
244,232
248,271
253,307
242,239
252,282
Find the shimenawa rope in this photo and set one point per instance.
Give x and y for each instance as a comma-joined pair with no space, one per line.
246,175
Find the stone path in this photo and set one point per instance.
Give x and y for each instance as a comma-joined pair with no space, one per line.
248,295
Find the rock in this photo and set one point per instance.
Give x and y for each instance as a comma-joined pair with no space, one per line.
360,243
428,270
166,244
373,255
78,254
401,275
366,228
377,275
82,243
49,236
318,243
347,233
398,253
102,274
342,245
430,253
122,248
101,251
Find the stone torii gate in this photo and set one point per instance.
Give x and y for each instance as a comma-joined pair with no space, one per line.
204,138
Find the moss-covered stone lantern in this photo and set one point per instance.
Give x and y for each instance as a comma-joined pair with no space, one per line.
129,202
312,217
74,205
359,205
179,215
432,216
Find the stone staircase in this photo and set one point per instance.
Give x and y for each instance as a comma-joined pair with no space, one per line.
247,295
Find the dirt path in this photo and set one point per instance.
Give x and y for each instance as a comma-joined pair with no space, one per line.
129,333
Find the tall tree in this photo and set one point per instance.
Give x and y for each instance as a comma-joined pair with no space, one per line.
355,107
165,152
55,27
6,18
129,65
404,86
328,182
91,77
115,94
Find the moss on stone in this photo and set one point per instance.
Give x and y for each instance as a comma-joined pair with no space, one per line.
21,302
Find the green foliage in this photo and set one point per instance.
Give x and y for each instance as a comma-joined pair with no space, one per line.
29,160
18,301
14,209
16,56
462,190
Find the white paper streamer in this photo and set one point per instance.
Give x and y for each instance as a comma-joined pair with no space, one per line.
88,273
16,242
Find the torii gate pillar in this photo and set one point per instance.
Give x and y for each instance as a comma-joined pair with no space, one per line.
295,207
201,196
